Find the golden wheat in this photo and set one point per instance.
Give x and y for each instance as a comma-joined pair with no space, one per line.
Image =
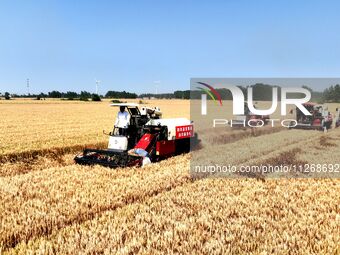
50,206
215,216
56,197
51,124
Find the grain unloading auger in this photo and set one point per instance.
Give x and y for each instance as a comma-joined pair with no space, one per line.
148,139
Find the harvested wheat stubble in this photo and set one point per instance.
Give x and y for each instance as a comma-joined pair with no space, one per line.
280,149
212,216
324,153
326,141
246,150
37,203
320,149
228,135
259,151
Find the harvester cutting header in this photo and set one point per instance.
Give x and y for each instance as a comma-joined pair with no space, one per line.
140,136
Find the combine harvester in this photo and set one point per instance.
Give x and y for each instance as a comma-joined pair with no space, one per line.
320,118
148,139
249,119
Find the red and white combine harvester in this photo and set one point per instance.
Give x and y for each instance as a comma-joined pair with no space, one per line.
148,138
320,118
249,119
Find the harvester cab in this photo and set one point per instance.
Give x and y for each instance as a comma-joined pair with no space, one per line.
139,116
249,119
320,118
147,137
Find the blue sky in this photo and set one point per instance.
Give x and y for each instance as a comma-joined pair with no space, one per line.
128,45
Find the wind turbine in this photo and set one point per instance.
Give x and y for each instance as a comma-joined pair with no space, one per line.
157,83
97,85
28,86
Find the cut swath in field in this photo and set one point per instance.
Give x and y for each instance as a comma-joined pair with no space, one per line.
249,151
305,152
53,152
284,158
325,151
26,161
326,141
219,136
38,163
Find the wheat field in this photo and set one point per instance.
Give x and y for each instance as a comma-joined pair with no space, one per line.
49,205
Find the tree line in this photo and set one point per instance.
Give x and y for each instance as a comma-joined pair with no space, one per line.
332,94
178,94
84,95
261,92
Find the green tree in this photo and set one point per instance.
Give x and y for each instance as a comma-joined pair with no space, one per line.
7,96
337,93
84,95
96,98
54,94
120,94
70,95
